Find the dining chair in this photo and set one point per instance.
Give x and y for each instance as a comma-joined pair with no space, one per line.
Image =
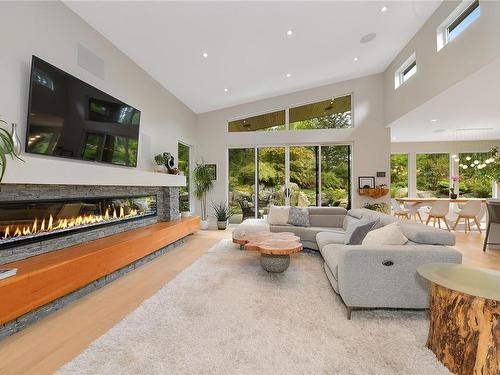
398,211
413,211
493,218
439,210
469,211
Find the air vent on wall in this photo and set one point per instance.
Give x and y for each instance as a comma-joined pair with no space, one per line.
89,61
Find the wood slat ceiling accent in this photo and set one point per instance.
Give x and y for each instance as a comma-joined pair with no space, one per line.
259,122
320,109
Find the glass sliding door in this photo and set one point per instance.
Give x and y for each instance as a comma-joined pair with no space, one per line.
242,174
183,152
318,175
271,175
336,175
304,176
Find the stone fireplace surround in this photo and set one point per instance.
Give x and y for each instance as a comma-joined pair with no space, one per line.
167,209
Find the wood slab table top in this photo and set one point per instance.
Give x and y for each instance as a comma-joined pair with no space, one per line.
283,243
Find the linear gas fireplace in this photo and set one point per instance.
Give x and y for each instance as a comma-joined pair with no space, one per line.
37,220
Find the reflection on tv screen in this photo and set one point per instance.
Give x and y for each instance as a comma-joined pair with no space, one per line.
72,119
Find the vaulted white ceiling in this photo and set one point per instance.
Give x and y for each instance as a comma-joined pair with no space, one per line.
249,51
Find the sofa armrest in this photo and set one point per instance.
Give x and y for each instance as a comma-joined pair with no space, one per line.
386,275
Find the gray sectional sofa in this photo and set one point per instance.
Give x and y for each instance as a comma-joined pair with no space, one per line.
371,276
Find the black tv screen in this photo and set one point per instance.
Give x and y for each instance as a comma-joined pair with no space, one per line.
71,119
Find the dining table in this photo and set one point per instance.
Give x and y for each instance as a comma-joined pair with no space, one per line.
430,200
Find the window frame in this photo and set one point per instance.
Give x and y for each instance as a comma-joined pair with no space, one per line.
287,115
454,20
404,69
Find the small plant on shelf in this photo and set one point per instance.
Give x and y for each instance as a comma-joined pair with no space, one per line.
222,213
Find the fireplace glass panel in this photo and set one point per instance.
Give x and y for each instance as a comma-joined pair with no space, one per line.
23,221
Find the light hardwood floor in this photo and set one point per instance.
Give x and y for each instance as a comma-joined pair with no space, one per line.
45,346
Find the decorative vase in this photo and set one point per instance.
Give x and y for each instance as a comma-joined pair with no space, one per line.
221,225
185,213
15,139
453,196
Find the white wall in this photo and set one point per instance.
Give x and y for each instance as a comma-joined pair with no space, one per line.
52,32
414,148
369,138
474,48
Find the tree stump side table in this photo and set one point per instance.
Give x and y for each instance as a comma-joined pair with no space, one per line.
464,331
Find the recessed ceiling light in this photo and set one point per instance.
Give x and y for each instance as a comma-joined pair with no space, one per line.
226,90
288,75
368,38
356,59
205,55
383,9
289,32
433,120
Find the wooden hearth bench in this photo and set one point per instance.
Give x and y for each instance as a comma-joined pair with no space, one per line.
46,277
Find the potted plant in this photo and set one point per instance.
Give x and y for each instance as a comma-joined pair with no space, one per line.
7,148
202,179
184,208
222,214
160,161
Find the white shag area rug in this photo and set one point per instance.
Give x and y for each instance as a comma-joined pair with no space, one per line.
226,315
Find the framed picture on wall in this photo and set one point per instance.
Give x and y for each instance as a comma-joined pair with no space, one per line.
213,171
366,182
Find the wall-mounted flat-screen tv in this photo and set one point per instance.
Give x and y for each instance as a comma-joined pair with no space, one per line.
69,118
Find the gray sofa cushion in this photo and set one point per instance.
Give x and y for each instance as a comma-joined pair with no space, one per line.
363,213
423,234
331,255
330,217
356,232
348,220
326,238
305,234
299,217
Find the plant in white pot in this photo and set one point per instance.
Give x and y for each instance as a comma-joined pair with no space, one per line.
202,179
222,213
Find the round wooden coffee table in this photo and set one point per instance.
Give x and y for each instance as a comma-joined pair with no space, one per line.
274,248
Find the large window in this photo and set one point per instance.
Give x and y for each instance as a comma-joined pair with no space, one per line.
328,114
399,175
433,175
336,175
477,171
317,175
333,113
183,161
241,183
267,122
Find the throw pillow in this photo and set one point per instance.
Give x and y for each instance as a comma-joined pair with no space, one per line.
356,232
389,235
299,217
278,215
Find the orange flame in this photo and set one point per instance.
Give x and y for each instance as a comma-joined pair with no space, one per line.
51,224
